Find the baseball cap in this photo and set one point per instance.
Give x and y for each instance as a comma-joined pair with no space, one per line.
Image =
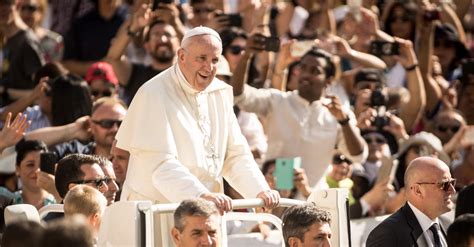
101,71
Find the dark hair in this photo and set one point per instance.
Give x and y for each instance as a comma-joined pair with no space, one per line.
154,23
465,201
51,70
71,232
71,99
266,165
193,207
461,231
69,170
298,219
410,9
22,234
330,69
230,34
23,147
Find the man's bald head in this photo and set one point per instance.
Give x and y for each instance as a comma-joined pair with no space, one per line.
423,168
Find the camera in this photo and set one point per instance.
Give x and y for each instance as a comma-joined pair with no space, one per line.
384,48
272,44
235,20
378,100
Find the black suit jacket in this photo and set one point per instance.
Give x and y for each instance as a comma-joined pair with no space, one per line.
400,229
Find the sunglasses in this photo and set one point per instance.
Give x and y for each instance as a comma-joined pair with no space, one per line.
339,159
203,10
97,182
236,49
29,7
444,128
107,123
105,93
445,185
377,140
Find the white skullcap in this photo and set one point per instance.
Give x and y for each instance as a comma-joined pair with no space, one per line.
200,31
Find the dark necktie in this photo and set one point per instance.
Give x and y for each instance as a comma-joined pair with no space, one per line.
434,230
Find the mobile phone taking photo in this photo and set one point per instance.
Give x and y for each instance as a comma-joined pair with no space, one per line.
48,161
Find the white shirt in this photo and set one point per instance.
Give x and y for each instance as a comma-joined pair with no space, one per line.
252,129
425,223
183,142
297,128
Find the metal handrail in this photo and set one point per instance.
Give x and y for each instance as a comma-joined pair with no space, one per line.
236,204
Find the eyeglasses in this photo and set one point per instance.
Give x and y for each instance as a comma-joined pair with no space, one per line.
444,128
107,123
377,140
445,185
236,49
105,93
29,7
203,10
97,182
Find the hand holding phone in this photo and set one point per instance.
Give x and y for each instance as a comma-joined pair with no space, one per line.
47,162
384,48
284,172
387,169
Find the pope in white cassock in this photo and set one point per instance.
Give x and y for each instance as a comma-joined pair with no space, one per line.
183,136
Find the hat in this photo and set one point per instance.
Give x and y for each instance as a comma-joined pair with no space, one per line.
372,75
389,138
101,71
223,67
424,138
200,31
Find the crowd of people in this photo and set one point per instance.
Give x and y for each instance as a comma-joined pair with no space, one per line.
203,102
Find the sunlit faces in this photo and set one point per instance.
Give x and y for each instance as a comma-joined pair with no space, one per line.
31,12
120,159
112,185
28,169
445,51
106,136
93,172
234,52
376,143
318,235
401,24
202,13
198,60
162,43
6,13
198,232
312,77
447,124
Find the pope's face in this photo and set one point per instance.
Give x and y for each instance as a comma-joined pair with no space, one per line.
198,60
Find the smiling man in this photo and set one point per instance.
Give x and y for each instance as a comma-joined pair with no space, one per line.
429,190
183,136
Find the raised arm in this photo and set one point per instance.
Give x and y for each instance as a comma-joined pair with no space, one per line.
13,131
59,134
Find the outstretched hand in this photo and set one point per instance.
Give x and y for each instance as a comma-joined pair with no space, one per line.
13,132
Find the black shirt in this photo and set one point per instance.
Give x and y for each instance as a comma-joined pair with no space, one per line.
140,74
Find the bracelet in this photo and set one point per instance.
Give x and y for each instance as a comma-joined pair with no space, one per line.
132,34
344,121
411,67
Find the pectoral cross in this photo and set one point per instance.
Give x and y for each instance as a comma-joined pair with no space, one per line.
215,158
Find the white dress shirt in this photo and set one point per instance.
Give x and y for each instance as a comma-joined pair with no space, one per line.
296,127
425,223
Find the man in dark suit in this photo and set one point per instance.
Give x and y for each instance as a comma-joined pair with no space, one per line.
429,191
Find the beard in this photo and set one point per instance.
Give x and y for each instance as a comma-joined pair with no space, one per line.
163,55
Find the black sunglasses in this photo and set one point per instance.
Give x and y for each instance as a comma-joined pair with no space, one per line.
377,140
29,7
203,10
105,93
444,128
97,182
445,185
107,123
236,49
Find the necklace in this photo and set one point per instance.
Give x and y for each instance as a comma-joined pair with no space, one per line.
204,126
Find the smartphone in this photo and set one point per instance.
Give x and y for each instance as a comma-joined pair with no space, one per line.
384,48
284,172
467,69
272,44
431,15
299,48
157,2
387,169
48,161
235,20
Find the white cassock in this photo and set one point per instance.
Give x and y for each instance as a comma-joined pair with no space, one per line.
182,142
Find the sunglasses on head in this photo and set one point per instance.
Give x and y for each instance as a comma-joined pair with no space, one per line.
378,140
339,159
107,123
445,185
97,182
444,128
29,7
203,10
236,49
